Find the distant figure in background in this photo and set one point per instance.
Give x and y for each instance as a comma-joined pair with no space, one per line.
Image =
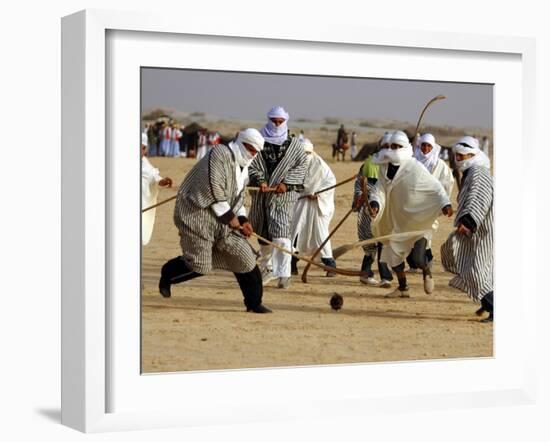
153,137
301,136
150,183
312,213
183,142
165,140
468,251
213,139
341,146
202,144
353,151
175,141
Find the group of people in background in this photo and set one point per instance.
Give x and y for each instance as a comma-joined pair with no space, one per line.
168,139
400,191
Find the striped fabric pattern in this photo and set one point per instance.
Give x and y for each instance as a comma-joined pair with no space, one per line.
471,258
205,242
271,213
364,230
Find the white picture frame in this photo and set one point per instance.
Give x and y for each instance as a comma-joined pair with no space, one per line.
91,367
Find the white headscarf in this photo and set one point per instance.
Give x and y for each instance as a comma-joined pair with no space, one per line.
468,145
397,156
272,133
249,136
430,160
385,139
308,145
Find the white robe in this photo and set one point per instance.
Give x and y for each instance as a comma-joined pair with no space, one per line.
312,217
411,201
150,177
444,175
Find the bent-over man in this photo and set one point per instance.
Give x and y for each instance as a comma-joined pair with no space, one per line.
212,223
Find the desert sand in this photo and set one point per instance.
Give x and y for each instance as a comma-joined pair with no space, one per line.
204,326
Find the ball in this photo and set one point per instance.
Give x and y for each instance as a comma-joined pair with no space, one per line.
336,301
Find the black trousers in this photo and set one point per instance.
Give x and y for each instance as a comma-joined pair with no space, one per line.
487,302
176,271
383,269
420,257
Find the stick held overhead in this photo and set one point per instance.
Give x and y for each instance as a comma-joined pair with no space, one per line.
433,100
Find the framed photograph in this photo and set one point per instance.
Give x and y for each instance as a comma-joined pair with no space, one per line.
134,359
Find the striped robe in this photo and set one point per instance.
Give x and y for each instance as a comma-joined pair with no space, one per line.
471,258
206,242
364,230
271,213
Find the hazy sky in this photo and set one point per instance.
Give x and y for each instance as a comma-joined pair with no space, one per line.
249,96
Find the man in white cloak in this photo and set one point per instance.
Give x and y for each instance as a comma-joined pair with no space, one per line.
406,198
427,151
468,251
313,213
150,183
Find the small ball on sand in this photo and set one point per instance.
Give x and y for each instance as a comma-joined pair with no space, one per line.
336,301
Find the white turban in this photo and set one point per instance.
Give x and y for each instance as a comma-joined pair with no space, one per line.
401,138
385,139
467,145
252,137
277,112
242,155
272,133
431,158
308,145
395,156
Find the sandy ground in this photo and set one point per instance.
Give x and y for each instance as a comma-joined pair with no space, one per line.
204,325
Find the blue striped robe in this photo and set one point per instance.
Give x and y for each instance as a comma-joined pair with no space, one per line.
271,213
471,258
206,243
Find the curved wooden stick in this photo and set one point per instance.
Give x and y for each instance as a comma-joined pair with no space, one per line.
257,189
175,196
339,251
160,204
331,187
433,100
310,261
